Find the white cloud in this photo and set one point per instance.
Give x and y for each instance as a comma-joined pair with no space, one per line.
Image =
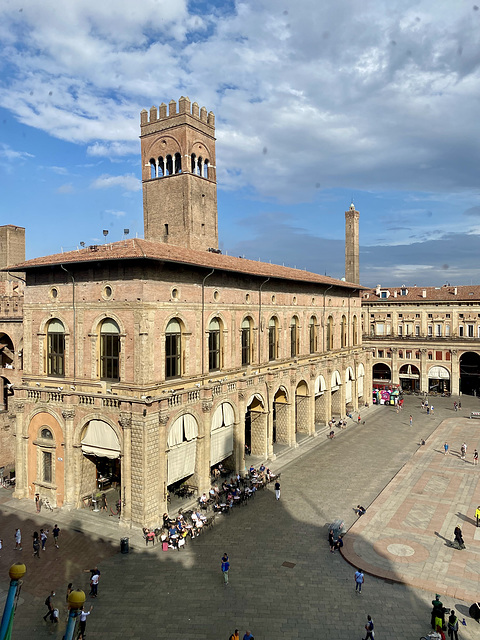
66,188
11,155
128,182
117,214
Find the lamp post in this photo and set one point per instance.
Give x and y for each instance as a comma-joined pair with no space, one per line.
16,573
76,600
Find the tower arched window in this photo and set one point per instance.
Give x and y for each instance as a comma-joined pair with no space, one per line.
194,163
161,167
312,334
109,350
246,338
169,165
273,339
173,349
153,168
343,331
205,169
355,330
294,346
55,348
214,345
200,166
178,163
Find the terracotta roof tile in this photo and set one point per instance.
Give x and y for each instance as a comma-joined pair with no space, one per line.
139,248
462,293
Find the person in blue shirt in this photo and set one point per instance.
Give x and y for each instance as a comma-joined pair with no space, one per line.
225,568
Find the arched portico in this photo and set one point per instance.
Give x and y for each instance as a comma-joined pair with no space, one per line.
322,401
256,426
336,395
302,413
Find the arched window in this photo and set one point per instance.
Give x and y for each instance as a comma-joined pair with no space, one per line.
55,348
178,163
46,434
330,333
109,350
153,168
273,339
205,169
169,166
246,339
161,167
46,453
294,337
343,332
194,163
173,349
355,330
312,334
214,345
200,166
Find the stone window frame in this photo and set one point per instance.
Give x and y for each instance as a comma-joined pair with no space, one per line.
45,446
95,346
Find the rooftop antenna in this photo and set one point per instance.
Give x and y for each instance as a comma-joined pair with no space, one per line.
105,234
82,244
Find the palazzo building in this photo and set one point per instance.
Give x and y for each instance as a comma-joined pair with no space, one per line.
152,360
424,339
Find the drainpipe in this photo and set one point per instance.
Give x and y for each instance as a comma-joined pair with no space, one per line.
74,325
324,327
260,317
203,320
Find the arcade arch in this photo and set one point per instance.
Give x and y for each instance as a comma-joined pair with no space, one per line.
221,438
470,373
256,426
438,379
409,377
280,416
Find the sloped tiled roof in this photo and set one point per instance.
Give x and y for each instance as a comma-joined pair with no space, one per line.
447,293
135,248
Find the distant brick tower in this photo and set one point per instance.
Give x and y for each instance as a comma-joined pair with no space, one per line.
352,246
179,175
12,247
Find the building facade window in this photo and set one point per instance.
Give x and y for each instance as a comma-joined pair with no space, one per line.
470,330
246,342
330,333
55,348
355,330
312,334
400,330
214,348
273,339
430,330
173,349
460,330
438,330
109,350
47,469
294,337
343,331
417,330
447,329
438,355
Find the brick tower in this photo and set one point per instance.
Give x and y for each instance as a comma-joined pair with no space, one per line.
352,246
179,175
12,247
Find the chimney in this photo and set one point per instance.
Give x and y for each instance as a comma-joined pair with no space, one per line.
424,293
395,293
455,291
377,290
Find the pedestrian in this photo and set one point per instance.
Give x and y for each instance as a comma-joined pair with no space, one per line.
69,591
369,629
431,409
92,572
359,580
225,568
359,419
475,457
331,541
36,545
103,502
277,490
428,410
452,625
18,540
459,406
411,420
56,533
455,406
445,448
248,636
49,603
94,584
1,544
55,615
477,515
463,451
83,620
43,537
234,635
37,502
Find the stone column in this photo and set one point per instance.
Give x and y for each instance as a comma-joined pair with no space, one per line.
163,419
71,489
424,371
126,468
21,452
202,465
455,375
270,397
239,433
395,376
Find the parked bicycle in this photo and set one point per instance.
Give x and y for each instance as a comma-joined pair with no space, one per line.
46,504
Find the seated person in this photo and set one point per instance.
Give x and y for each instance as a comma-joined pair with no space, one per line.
215,473
203,500
172,532
150,537
252,469
262,468
338,544
212,493
360,510
331,435
166,520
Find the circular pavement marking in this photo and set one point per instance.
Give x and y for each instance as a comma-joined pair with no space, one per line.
400,550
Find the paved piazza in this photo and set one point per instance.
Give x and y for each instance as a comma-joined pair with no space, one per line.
415,496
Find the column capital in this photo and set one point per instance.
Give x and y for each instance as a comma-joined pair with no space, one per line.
163,419
19,407
207,406
68,414
125,420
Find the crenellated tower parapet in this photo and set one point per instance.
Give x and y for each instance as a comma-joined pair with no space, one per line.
179,174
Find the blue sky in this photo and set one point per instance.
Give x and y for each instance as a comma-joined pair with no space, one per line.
315,104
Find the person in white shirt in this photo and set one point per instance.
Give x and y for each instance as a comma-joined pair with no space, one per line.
83,620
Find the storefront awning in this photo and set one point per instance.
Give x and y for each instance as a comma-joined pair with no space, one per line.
101,440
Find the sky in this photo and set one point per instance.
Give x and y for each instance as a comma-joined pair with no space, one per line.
317,104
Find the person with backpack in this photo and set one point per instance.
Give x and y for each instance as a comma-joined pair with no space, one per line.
49,604
452,625
369,629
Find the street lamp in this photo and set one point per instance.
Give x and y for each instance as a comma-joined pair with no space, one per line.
76,600
16,573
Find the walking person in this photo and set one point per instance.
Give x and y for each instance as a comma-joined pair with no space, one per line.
94,584
477,515
411,420
277,490
445,448
225,568
18,539
475,457
37,502
92,572
36,545
331,541
452,625
69,591
463,451
359,580
43,538
369,629
56,533
235,635
49,604
431,409
83,621
455,406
